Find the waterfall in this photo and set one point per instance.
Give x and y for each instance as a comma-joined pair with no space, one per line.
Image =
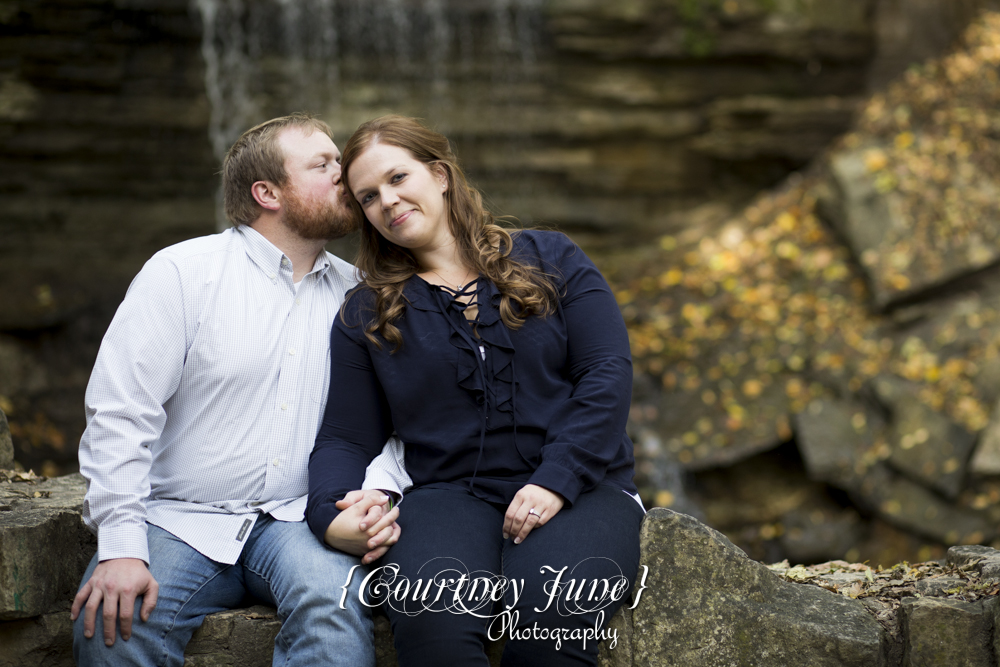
457,64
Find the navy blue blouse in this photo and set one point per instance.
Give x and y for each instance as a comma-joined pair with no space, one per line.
546,404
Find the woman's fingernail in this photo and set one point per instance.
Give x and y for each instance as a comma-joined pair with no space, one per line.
506,536
517,540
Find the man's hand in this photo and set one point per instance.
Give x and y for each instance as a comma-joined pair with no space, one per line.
532,506
364,527
117,582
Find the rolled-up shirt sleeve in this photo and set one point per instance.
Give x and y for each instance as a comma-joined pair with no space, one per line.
138,369
355,426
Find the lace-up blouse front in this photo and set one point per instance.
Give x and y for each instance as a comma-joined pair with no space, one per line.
479,406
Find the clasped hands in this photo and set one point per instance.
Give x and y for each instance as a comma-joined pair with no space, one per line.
365,526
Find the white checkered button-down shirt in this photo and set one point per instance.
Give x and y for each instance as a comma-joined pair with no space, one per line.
207,394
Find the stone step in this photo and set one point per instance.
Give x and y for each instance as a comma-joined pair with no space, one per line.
700,600
44,546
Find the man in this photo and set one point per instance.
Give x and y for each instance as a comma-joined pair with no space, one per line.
201,414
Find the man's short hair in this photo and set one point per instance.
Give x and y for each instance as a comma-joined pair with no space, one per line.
256,156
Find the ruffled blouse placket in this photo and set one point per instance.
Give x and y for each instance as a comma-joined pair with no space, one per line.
485,367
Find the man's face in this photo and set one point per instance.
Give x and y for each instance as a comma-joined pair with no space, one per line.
312,200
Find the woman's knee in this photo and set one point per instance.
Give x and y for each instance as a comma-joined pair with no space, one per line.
574,574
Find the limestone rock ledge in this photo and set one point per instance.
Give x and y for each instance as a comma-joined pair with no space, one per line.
700,601
709,604
44,546
6,445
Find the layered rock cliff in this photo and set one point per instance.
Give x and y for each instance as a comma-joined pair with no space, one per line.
622,123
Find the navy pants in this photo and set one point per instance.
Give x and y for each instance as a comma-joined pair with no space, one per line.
452,581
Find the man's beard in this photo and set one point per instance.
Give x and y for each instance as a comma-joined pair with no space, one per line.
324,221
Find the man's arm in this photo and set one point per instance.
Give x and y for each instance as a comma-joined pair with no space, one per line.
387,472
138,368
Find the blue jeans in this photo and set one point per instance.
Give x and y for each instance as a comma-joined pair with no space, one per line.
282,564
449,533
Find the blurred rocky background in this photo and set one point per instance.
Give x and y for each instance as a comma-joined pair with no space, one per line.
793,199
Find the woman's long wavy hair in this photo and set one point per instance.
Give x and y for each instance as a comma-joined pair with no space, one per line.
483,245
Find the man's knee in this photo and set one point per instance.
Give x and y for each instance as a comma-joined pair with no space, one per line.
323,617
144,647
189,587
294,563
333,587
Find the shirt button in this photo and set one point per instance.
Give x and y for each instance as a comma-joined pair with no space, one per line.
275,462
291,351
284,406
298,302
256,503
273,276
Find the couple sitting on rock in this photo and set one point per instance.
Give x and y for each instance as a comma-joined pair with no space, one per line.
242,393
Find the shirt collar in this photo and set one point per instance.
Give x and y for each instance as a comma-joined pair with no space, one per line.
417,294
269,257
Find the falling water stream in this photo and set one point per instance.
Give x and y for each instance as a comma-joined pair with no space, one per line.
463,66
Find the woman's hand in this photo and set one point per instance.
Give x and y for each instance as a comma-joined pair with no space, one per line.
520,519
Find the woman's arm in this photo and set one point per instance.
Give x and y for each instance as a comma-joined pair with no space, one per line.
586,431
354,429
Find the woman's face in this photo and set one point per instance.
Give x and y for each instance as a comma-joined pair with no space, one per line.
402,197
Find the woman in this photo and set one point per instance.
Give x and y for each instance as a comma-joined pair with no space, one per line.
502,362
